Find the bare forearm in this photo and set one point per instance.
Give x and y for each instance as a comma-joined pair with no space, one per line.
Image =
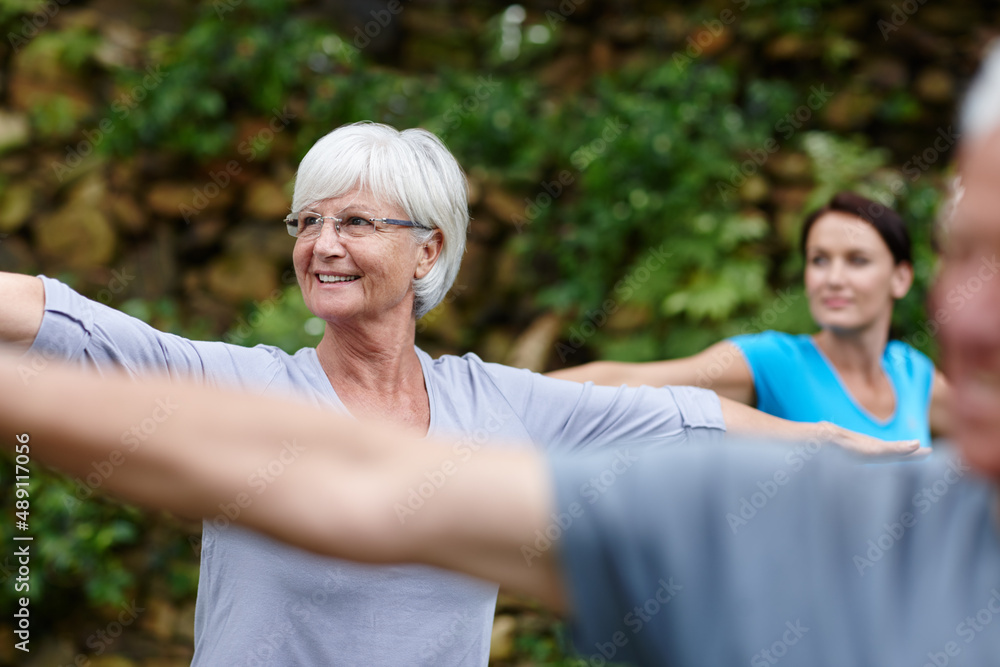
746,421
341,483
22,302
743,420
720,368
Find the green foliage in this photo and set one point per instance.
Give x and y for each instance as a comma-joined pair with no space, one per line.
645,212
73,540
652,156
282,321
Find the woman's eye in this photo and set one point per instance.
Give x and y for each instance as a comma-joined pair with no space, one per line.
309,220
859,261
817,261
355,221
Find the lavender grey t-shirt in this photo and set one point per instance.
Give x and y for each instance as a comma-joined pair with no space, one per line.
762,555
261,602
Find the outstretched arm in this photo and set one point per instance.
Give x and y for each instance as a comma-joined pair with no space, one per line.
720,368
343,483
723,369
22,301
747,422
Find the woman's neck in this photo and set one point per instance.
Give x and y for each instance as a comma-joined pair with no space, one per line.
857,353
371,357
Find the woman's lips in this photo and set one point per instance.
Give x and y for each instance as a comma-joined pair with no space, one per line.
330,279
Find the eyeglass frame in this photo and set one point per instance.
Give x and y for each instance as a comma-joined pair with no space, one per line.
292,222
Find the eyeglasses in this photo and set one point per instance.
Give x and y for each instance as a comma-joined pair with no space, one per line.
349,222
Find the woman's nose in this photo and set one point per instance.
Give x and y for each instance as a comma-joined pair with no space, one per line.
329,241
835,272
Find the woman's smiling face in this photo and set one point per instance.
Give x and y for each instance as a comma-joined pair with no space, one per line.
345,277
851,277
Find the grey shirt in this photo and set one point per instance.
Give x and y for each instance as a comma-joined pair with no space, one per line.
261,602
759,555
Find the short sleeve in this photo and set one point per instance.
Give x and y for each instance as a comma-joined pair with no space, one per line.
909,365
706,556
771,357
80,330
566,415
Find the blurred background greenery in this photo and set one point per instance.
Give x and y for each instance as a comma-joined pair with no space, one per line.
638,174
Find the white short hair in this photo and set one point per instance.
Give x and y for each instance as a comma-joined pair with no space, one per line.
412,169
981,111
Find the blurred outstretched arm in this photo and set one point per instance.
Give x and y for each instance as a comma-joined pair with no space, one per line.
342,482
720,368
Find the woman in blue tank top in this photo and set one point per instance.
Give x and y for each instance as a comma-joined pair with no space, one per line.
858,263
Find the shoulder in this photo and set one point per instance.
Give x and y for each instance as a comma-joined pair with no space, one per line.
902,349
469,367
904,357
772,344
258,353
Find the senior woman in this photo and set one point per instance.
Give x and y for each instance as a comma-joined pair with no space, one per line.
380,218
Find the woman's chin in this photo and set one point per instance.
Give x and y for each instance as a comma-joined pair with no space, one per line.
331,312
842,326
841,323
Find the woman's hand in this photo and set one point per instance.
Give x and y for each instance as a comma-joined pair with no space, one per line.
866,444
746,421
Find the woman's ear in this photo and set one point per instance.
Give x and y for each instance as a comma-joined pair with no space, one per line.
902,279
429,253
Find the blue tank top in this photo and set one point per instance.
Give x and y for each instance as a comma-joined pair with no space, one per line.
794,380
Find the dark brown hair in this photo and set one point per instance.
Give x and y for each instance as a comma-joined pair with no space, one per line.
889,224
